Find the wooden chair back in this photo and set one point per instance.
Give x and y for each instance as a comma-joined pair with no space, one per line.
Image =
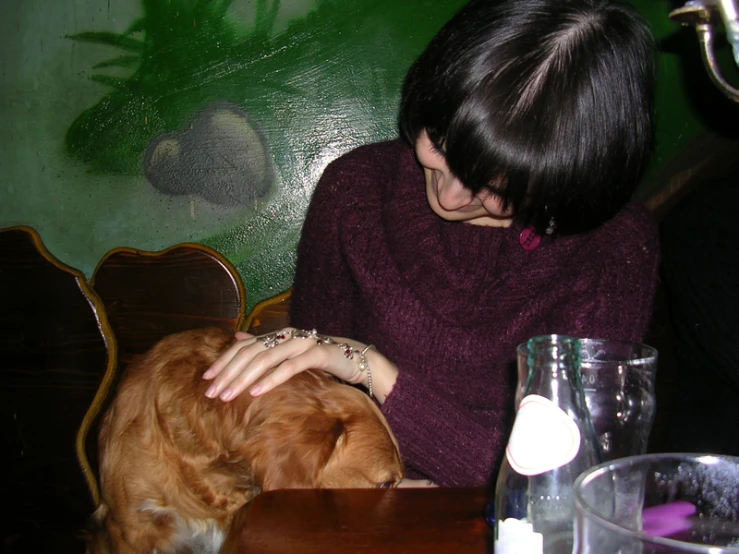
149,295
54,340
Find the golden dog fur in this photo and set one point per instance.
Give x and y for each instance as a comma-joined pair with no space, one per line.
175,465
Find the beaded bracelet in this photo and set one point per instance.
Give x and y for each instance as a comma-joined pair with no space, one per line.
349,351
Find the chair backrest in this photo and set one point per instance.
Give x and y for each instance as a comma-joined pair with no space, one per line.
149,295
271,314
54,340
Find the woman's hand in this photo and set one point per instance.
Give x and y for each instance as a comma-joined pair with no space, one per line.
416,484
261,363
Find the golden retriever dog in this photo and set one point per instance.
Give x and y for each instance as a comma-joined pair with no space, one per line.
176,465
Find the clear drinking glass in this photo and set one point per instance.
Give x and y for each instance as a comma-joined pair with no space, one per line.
652,504
618,381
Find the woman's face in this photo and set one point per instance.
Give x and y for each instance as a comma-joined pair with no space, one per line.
450,199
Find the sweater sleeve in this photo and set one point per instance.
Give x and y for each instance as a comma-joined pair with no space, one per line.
324,292
324,297
450,444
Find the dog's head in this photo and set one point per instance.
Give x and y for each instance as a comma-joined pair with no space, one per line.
315,432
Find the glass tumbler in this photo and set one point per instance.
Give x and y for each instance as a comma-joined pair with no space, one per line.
658,503
618,381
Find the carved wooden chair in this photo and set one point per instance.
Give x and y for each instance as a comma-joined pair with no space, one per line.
54,341
148,295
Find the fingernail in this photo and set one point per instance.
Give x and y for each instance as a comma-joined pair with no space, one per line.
256,390
211,392
228,394
208,374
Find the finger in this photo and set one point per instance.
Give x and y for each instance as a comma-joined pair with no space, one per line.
239,363
249,364
241,335
314,358
225,358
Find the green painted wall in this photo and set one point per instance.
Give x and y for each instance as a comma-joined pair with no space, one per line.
144,123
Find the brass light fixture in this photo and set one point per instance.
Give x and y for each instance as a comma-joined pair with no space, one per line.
707,16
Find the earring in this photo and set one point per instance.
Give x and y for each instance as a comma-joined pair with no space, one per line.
551,227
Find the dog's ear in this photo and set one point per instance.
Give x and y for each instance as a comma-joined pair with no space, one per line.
291,453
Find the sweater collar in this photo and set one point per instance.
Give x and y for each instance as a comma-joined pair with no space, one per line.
454,268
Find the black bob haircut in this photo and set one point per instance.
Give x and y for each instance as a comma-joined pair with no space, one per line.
548,103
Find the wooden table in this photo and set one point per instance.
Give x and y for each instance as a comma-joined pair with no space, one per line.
427,521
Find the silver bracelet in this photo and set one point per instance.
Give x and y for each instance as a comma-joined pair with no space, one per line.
364,366
349,351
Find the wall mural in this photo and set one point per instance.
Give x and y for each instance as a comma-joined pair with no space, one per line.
196,120
145,123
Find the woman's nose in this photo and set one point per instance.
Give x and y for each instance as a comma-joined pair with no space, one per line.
453,194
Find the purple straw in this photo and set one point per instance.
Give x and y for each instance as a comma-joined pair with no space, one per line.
668,519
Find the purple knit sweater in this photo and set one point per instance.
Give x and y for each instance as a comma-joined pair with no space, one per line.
448,302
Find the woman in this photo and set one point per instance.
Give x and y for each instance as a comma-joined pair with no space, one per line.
503,214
